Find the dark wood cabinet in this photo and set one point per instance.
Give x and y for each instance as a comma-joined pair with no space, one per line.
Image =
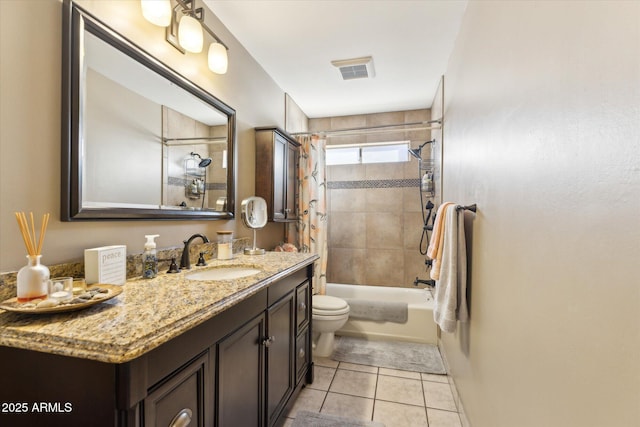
279,348
243,367
277,156
256,364
240,373
180,400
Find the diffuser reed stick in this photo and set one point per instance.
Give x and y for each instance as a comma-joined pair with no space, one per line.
28,231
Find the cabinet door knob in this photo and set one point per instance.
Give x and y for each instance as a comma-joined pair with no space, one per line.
302,306
301,353
268,341
182,419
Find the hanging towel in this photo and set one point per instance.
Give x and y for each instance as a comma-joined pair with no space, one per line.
432,250
451,288
437,239
381,311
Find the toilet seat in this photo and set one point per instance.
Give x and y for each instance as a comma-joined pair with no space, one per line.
325,305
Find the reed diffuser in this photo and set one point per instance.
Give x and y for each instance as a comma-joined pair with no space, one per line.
33,278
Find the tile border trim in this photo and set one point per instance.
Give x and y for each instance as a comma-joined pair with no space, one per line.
373,183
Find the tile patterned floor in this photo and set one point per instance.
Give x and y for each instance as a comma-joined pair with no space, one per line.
392,397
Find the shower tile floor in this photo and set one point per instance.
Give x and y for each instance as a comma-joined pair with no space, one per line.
392,397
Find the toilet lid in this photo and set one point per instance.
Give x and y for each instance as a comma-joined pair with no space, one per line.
329,306
326,302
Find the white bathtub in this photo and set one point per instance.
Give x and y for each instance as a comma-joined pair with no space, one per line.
419,327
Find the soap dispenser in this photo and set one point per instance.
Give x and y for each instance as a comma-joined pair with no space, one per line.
149,258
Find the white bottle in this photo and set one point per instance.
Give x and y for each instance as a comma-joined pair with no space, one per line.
149,258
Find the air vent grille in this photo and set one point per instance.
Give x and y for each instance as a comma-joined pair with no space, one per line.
357,68
354,72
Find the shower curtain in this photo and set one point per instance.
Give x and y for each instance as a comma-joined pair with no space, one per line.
312,205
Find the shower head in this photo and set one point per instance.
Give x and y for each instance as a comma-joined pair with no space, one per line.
203,162
417,152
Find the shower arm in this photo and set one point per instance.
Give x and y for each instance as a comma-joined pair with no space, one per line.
417,152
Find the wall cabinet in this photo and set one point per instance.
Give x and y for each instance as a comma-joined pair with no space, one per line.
277,156
243,367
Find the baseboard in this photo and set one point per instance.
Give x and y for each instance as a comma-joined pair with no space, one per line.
454,390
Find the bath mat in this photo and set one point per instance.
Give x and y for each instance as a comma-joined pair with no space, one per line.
385,311
406,356
313,419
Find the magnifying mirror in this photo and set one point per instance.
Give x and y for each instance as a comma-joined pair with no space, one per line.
254,215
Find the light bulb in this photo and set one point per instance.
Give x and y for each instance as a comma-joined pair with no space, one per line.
217,58
158,12
190,34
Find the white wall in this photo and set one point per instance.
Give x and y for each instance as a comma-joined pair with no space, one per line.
542,131
30,102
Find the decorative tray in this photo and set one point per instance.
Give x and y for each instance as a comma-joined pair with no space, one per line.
99,293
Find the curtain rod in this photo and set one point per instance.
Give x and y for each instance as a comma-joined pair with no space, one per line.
374,129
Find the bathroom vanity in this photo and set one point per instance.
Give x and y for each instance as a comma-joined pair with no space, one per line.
170,351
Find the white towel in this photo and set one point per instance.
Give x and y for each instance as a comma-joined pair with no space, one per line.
451,289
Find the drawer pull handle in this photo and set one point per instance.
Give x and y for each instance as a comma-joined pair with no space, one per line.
301,353
182,419
302,306
268,341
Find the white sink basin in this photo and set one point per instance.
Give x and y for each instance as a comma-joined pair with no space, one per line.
223,273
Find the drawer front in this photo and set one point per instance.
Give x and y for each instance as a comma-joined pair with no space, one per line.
181,399
302,355
303,309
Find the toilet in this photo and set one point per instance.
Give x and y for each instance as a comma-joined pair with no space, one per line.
329,314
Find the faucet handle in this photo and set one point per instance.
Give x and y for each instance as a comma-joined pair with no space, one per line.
173,267
201,262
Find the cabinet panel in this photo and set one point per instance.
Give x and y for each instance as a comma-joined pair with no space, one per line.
303,301
240,373
302,355
291,183
276,171
280,369
279,178
179,401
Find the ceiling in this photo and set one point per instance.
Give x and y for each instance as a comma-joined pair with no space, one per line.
295,42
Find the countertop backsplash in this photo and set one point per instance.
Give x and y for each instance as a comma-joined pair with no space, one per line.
134,263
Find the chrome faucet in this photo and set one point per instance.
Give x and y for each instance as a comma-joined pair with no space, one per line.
185,262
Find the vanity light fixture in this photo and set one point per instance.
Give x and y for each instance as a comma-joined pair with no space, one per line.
190,34
158,12
185,31
217,58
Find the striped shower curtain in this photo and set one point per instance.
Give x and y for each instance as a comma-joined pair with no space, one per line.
312,205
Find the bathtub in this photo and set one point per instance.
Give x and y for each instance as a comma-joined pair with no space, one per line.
420,326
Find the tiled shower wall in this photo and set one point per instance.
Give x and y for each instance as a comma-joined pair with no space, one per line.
375,219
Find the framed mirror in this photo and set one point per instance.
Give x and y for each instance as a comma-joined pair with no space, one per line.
139,140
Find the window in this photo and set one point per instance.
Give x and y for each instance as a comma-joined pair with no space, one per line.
379,152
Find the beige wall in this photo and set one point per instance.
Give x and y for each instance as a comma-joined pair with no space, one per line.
374,227
542,131
30,127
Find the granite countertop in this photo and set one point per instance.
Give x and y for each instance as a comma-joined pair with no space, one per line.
148,313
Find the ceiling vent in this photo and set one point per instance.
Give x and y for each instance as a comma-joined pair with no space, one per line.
357,68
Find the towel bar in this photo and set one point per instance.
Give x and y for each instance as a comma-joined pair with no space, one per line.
471,208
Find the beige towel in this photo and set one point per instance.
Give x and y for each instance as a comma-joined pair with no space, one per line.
437,239
451,290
